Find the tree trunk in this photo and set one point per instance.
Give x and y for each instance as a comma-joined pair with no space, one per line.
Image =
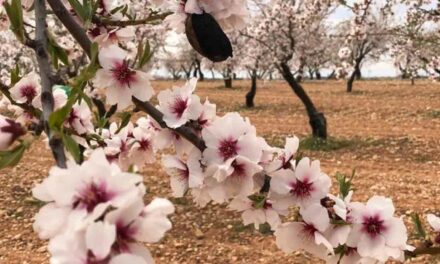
311,74
350,82
251,94
318,75
213,74
413,81
357,72
228,82
332,75
199,70
316,119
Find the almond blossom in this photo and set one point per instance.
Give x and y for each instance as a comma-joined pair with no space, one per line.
308,234
285,157
80,118
26,90
83,191
179,105
376,232
121,82
305,185
183,175
258,211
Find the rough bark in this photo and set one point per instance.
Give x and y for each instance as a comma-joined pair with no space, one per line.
316,119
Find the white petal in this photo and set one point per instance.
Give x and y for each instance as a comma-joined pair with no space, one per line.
434,221
287,237
100,236
128,258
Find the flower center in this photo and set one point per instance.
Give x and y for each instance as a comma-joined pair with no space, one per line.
123,73
29,92
228,148
93,195
144,144
301,189
373,225
179,106
308,231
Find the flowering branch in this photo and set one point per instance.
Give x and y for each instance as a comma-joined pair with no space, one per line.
80,35
47,99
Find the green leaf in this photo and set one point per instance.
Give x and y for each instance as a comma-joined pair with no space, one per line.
12,157
344,184
418,227
72,147
146,55
15,75
57,118
15,13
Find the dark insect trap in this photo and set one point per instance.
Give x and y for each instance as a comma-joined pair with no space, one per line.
207,37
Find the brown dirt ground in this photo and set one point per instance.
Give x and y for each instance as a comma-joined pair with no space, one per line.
393,130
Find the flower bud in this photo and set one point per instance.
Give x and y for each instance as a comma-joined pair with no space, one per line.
207,37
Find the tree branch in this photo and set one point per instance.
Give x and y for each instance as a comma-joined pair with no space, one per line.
44,66
81,37
72,26
124,23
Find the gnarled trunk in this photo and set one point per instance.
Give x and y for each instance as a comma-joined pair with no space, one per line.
316,119
251,94
228,82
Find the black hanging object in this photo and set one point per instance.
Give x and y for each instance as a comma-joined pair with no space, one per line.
207,37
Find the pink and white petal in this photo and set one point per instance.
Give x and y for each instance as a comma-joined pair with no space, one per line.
142,88
240,204
317,215
395,233
321,240
337,235
110,55
281,180
100,237
272,218
434,221
179,186
383,205
142,251
287,236
256,217
372,247
50,220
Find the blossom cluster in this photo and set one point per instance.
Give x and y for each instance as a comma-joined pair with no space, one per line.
95,213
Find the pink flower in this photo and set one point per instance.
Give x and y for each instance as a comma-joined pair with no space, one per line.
308,234
9,132
305,185
376,232
266,211
143,149
183,174
80,119
121,82
285,157
179,105
231,136
85,190
26,90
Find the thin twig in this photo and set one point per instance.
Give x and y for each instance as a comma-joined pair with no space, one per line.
125,23
46,73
